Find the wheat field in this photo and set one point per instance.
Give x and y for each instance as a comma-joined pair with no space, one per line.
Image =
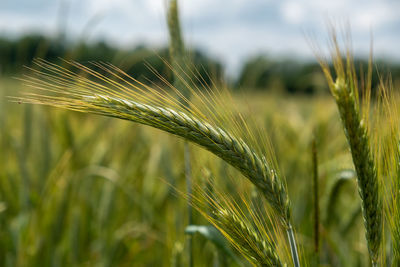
102,169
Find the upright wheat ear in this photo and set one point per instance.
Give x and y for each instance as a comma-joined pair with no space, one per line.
177,50
345,92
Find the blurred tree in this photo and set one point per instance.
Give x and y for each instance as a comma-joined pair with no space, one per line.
263,73
14,54
259,72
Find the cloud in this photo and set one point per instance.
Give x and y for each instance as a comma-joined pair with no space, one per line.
293,12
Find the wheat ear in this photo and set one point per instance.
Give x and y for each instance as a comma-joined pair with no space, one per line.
358,139
177,50
214,139
247,240
234,151
66,89
345,92
219,142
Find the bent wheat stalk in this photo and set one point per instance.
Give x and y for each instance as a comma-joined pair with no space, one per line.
66,89
214,139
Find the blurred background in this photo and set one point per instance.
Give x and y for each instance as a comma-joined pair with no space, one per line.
84,190
233,37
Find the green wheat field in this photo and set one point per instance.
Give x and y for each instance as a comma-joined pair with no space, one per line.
100,168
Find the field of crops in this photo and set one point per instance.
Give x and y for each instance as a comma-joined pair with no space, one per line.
84,190
102,169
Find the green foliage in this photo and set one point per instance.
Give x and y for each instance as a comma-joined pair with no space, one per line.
294,76
290,76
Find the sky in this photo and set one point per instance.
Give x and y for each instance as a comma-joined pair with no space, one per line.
230,30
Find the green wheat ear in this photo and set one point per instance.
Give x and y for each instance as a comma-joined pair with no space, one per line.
345,91
177,50
128,99
259,250
243,225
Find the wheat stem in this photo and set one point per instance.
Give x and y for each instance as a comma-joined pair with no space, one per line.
314,158
293,247
177,51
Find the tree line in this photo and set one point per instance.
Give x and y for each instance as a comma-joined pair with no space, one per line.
257,73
